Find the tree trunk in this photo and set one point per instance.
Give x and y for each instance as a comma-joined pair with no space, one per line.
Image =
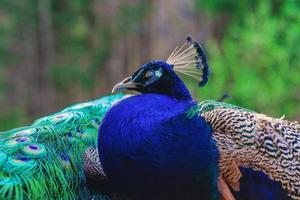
43,94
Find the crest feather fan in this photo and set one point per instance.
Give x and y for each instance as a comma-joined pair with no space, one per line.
190,59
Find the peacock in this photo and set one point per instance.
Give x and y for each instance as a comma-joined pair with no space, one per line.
159,144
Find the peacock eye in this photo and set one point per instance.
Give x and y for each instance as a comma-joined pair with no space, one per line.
149,74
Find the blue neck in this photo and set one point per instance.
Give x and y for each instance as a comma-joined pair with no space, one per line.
177,90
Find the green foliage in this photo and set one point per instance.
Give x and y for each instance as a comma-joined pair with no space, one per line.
219,7
131,14
68,56
85,39
15,118
257,62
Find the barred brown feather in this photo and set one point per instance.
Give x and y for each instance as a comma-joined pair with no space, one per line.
92,166
254,140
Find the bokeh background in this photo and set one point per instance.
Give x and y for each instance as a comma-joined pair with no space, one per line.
56,52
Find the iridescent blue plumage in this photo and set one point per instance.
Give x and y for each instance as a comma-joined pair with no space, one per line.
257,185
151,149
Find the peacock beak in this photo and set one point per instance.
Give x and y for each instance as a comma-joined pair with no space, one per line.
126,84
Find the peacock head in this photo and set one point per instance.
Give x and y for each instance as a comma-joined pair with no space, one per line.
160,76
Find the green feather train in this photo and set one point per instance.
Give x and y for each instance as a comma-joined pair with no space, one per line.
44,160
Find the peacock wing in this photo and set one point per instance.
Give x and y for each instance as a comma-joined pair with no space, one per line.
249,139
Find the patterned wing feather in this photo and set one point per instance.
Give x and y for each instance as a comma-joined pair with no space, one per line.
249,139
45,159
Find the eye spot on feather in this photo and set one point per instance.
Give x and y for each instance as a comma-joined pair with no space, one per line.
56,118
62,116
19,164
22,159
25,132
34,150
17,141
23,139
82,105
33,147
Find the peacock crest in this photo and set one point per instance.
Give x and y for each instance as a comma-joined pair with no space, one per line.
190,59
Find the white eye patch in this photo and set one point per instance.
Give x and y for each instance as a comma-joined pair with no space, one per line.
158,73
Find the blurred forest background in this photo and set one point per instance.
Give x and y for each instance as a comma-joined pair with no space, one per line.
56,52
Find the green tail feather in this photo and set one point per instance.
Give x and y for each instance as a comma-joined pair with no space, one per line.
44,160
208,105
